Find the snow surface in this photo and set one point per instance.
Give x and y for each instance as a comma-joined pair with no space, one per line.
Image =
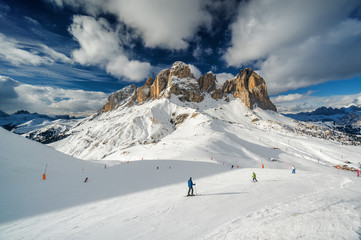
136,200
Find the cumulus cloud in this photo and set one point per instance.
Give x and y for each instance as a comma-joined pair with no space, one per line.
16,96
290,97
196,72
223,77
134,70
297,43
100,45
167,24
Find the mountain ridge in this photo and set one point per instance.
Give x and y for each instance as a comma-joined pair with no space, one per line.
180,81
345,119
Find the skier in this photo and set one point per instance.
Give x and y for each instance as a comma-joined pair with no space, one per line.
86,179
358,172
293,169
254,177
190,186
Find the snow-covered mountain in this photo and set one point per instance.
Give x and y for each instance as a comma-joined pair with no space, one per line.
39,127
149,122
346,119
148,143
145,199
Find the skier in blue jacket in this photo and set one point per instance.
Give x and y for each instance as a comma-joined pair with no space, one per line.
190,186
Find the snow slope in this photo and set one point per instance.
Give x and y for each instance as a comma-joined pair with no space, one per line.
168,128
136,200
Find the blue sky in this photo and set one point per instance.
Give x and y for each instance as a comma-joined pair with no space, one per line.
66,56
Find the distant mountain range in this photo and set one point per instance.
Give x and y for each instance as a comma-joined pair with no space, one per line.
346,119
24,122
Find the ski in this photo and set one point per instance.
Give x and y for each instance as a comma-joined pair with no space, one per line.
194,195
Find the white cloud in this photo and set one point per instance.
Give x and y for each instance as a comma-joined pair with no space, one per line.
12,52
47,100
199,52
297,43
58,57
134,70
290,97
100,45
294,103
168,24
223,77
196,72
98,41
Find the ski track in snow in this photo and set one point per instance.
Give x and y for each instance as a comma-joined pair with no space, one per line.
330,214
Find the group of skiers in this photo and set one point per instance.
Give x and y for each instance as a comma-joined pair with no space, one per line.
254,179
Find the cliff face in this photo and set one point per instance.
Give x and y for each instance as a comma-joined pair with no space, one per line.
160,83
120,97
250,88
179,81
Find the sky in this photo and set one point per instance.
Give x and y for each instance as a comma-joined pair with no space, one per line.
67,56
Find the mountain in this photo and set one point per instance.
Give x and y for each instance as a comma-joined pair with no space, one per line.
150,141
3,114
345,119
176,107
39,127
179,81
145,199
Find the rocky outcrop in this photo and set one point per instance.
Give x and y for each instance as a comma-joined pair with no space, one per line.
181,70
119,97
217,94
179,81
144,92
160,83
250,88
208,82
182,83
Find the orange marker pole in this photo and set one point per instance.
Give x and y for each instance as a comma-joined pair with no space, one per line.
44,175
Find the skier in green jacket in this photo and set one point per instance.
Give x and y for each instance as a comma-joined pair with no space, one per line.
254,177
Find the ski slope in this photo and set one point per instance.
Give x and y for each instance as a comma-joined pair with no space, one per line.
136,200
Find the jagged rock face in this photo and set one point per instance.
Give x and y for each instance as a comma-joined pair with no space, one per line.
208,82
179,81
250,88
181,70
144,92
217,94
117,98
159,84
182,83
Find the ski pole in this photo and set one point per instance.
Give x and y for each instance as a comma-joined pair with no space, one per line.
195,188
46,167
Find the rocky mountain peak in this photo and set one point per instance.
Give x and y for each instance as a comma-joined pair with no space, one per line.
250,88
181,70
180,81
119,97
